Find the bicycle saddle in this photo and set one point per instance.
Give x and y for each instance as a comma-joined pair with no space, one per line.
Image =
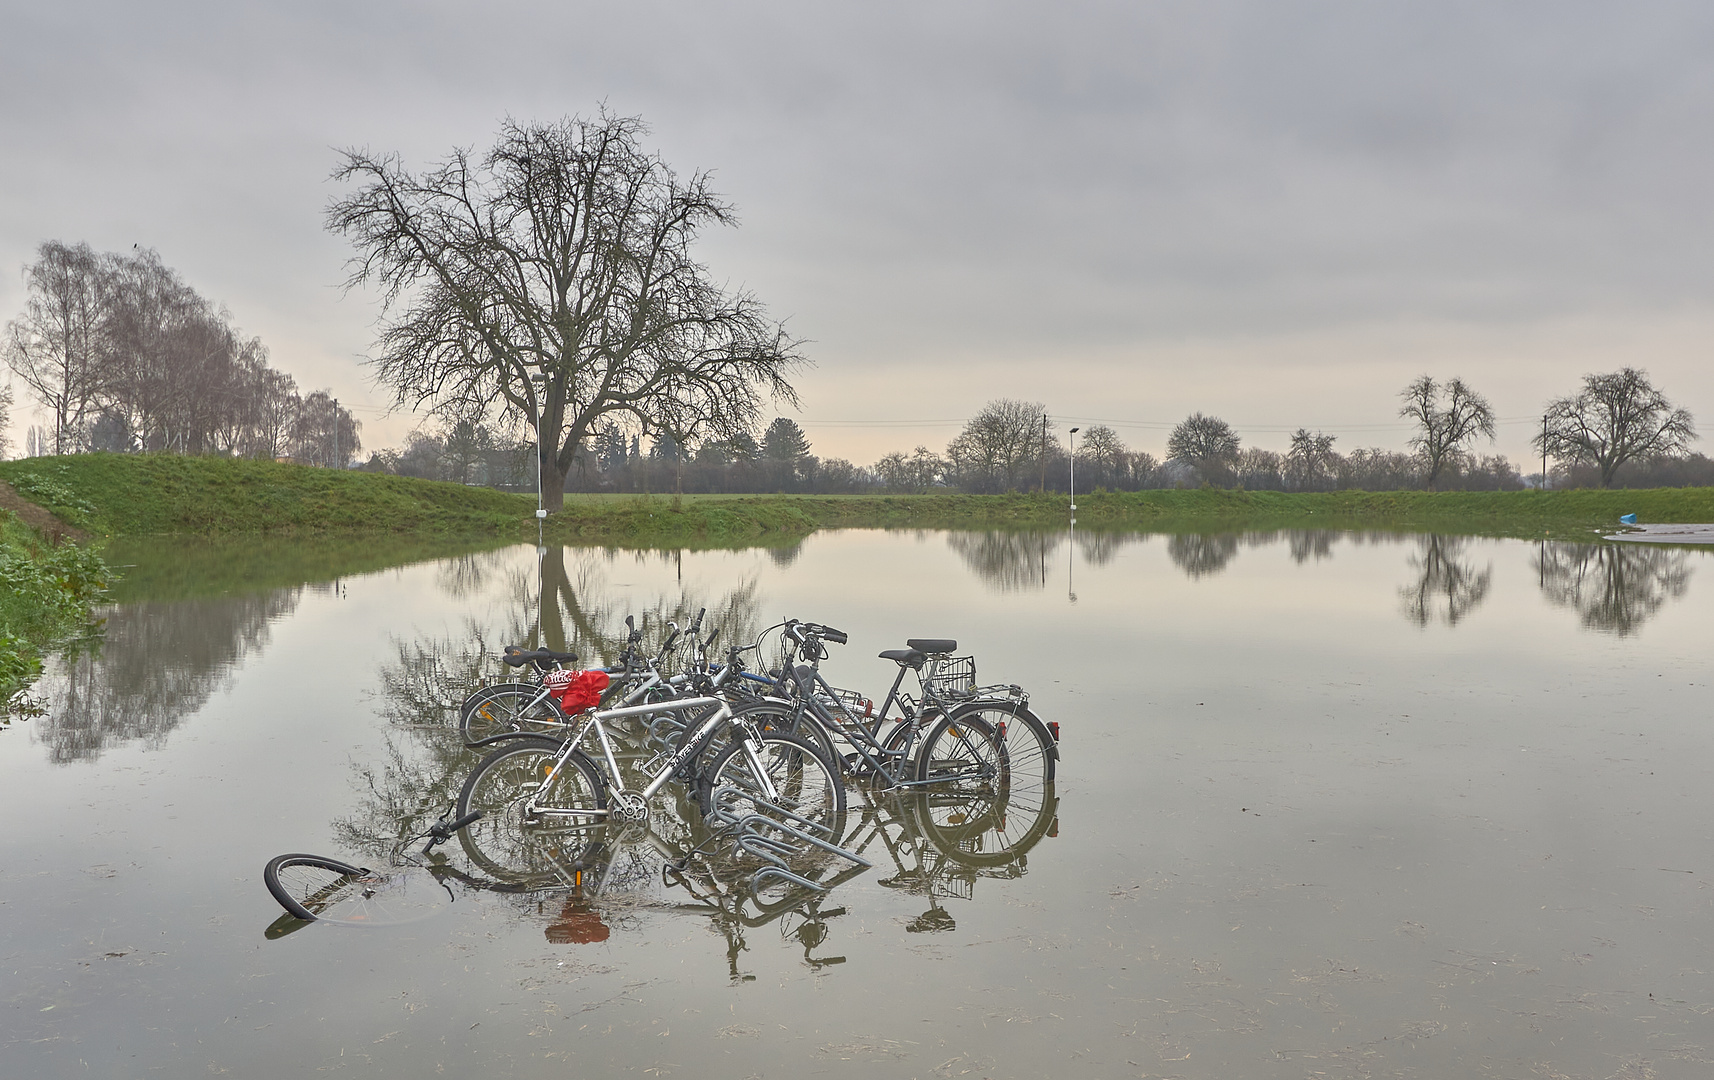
909,657
932,644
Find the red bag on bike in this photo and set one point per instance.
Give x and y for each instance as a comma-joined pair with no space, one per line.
577,690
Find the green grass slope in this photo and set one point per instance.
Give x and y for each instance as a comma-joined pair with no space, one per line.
140,494
148,494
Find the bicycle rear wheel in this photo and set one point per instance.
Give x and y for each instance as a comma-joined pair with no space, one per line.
515,845
507,708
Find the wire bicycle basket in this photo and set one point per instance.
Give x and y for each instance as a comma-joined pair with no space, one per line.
955,676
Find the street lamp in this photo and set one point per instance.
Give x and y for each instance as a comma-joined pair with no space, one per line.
1074,471
541,380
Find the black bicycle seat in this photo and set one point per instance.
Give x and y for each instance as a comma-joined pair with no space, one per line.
909,657
932,644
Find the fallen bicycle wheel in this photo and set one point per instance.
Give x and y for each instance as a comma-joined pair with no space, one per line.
317,888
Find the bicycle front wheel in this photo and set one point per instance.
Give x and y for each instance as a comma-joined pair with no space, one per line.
790,718
536,824
808,792
509,708
316,888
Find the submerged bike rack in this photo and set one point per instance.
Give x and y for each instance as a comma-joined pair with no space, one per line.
766,838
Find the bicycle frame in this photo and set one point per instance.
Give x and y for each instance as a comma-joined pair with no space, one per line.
692,745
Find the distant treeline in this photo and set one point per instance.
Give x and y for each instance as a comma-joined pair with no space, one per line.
125,356
1002,449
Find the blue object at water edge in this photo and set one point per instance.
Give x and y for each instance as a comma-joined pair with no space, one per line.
1627,519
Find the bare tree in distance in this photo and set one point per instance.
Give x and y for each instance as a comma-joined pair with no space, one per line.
1311,464
999,446
1206,442
1105,455
1447,416
57,344
916,472
1614,419
564,252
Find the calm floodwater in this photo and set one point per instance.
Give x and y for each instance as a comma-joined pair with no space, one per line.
1330,805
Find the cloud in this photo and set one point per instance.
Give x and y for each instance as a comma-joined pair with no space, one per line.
929,187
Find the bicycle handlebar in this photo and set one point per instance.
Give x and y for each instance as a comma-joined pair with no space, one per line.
441,833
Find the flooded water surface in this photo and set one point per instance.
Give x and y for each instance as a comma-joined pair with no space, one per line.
1328,804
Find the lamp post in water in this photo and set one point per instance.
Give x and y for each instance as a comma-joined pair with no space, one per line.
1074,472
541,380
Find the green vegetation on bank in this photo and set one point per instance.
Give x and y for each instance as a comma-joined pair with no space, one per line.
46,592
140,495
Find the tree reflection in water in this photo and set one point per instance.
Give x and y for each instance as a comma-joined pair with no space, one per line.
1007,562
1448,588
1202,555
1307,544
1613,587
157,663
1011,562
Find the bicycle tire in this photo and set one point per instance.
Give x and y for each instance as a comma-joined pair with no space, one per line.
316,888
787,717
986,833
308,876
508,708
810,787
1031,750
503,843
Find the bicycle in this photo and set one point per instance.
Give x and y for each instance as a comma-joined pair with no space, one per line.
507,708
955,735
540,795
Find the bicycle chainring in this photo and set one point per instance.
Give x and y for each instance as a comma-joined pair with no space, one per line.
629,806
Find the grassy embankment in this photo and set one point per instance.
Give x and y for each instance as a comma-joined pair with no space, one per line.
125,495
46,591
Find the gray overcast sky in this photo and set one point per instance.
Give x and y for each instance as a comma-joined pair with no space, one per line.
1277,212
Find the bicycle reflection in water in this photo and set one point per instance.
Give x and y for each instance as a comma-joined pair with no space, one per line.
938,844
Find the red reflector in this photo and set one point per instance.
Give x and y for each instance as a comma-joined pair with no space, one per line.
1053,726
1002,731
1053,830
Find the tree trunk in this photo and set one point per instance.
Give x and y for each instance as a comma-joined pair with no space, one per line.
553,485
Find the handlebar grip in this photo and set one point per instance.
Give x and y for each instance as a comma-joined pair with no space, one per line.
459,823
696,623
838,637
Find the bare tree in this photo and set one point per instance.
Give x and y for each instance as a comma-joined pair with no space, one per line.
565,253
1311,464
1206,442
57,345
915,472
325,433
998,447
5,418
1447,417
1105,455
1614,419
